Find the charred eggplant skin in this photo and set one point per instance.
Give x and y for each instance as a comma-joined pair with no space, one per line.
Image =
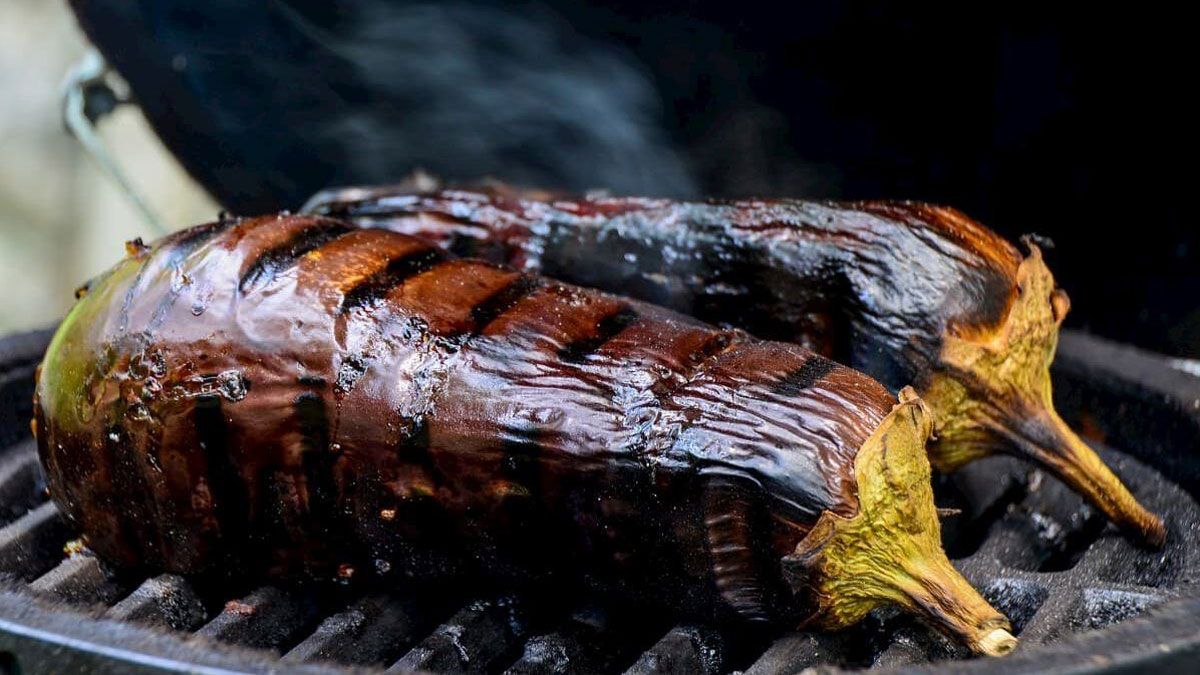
909,293
294,395
873,283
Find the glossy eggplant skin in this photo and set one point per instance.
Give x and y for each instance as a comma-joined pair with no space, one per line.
291,395
873,284
909,293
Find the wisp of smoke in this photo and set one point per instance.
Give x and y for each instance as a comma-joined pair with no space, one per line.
467,91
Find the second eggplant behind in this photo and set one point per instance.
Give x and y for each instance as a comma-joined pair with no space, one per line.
909,293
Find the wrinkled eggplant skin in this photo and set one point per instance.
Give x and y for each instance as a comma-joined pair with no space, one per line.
874,285
294,396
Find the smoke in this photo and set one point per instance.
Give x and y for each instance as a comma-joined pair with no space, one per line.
467,92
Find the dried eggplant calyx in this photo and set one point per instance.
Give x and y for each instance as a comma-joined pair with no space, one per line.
993,394
890,552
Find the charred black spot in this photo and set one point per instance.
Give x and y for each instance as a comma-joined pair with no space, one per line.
275,260
349,372
804,377
190,240
316,457
312,381
495,305
224,481
606,329
136,508
486,248
462,245
377,285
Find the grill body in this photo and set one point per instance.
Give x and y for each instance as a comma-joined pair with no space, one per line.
1082,597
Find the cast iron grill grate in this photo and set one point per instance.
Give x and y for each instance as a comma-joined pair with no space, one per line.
1039,555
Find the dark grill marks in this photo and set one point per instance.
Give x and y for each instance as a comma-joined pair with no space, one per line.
606,329
311,381
483,248
230,501
138,515
378,284
796,381
194,238
317,459
275,260
503,300
520,500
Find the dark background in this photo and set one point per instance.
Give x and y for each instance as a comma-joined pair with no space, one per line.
1075,122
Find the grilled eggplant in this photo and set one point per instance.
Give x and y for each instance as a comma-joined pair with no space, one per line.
292,395
908,293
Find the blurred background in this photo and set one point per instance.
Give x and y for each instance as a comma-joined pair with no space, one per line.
1072,122
61,219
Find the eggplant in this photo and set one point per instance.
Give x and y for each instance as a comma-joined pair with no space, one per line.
909,293
293,397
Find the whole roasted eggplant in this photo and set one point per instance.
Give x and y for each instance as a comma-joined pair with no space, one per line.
908,293
292,395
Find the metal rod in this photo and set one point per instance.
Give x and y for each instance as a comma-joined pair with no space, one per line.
89,72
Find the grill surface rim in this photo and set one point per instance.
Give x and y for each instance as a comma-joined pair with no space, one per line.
1168,633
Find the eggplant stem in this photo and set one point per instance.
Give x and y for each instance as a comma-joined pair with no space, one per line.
997,643
890,552
992,394
1070,459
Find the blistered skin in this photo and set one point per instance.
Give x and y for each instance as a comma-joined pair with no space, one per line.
908,293
872,283
293,395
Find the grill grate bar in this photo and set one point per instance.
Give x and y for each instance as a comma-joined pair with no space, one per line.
796,651
474,640
557,652
1017,598
1053,619
984,492
590,639
914,644
1102,607
268,618
374,631
79,580
684,649
166,600
1011,542
33,544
